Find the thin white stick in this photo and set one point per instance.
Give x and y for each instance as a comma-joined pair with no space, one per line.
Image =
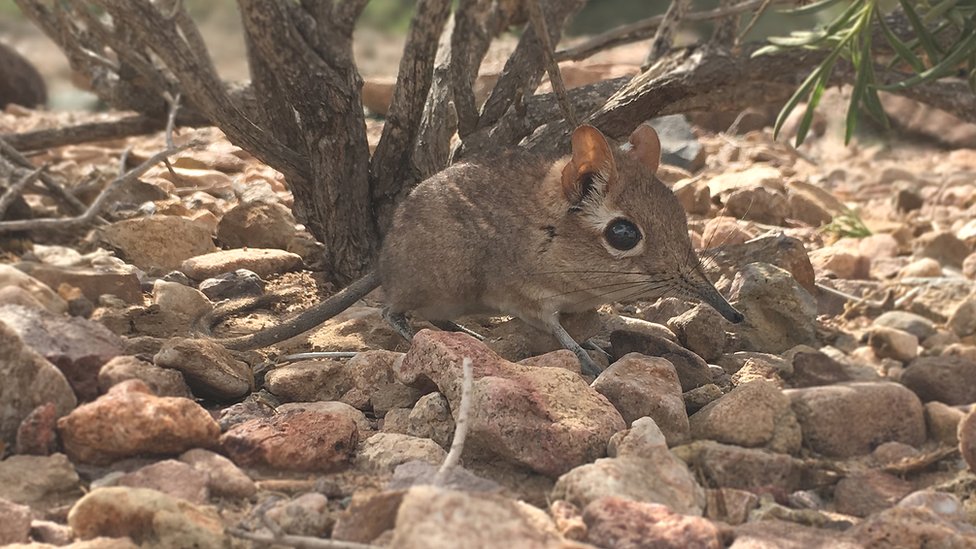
460,424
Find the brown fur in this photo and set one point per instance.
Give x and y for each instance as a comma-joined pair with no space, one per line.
524,235
507,236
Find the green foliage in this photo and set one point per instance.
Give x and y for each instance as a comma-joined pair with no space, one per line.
848,36
847,224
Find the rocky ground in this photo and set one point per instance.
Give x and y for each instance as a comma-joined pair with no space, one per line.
840,414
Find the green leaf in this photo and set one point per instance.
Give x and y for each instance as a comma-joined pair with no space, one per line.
798,38
957,54
857,94
820,85
920,31
811,8
766,50
939,10
795,99
902,49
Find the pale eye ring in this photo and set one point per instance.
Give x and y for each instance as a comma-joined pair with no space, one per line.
622,235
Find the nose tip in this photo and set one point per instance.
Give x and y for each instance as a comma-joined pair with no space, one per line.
733,316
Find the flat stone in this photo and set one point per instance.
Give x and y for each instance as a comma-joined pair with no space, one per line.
917,325
666,482
728,466
428,519
863,494
161,381
11,277
224,479
170,477
93,284
148,242
912,527
261,261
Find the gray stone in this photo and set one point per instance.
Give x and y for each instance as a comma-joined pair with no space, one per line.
162,381
728,466
947,379
239,283
701,330
692,369
42,482
679,145
209,369
917,325
779,313
29,381
755,414
850,419
78,347
383,452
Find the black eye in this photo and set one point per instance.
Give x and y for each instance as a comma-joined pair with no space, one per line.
622,234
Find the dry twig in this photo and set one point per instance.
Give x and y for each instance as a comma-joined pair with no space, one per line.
460,424
92,212
17,188
538,20
57,191
645,28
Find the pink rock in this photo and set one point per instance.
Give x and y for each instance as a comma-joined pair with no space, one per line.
724,231
618,522
170,477
967,439
129,421
298,440
640,386
15,522
224,479
547,419
841,262
863,494
36,433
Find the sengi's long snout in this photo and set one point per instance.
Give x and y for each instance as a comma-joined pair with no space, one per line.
708,294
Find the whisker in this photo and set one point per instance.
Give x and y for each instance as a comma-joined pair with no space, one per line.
601,286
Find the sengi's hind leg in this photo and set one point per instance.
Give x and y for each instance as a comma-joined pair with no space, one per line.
450,326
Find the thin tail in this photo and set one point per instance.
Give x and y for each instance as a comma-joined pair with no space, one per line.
307,319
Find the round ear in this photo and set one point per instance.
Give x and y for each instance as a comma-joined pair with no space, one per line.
646,147
591,155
